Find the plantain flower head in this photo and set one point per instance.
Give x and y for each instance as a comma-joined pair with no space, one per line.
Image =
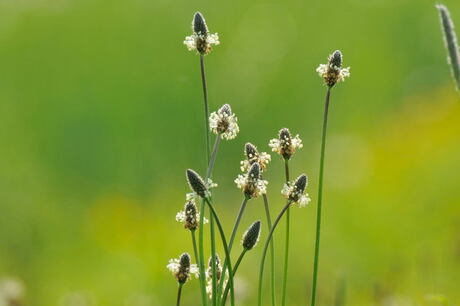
201,40
189,216
285,145
182,269
295,192
253,156
251,184
332,72
224,122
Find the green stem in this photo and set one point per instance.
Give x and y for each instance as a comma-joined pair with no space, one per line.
211,164
197,258
232,238
204,298
272,249
270,234
202,210
237,264
225,246
212,160
286,245
320,197
213,262
206,106
179,293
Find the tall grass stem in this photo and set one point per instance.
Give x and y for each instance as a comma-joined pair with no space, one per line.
264,253
286,241
225,246
272,249
320,198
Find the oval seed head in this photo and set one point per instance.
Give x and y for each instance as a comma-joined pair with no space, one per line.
184,268
336,59
251,151
225,109
251,236
191,216
196,183
254,172
299,188
285,140
199,24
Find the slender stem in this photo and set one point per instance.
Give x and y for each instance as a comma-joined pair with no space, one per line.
206,106
212,161
202,210
320,198
272,249
211,164
270,234
286,170
197,258
179,293
204,298
237,222
232,238
286,257
237,264
225,246
213,262
286,241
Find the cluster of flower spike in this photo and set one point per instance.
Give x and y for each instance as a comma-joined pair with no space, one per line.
224,123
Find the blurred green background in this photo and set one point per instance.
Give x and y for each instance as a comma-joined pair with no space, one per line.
101,113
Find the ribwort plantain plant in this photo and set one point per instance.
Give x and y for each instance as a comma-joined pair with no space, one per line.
217,281
332,73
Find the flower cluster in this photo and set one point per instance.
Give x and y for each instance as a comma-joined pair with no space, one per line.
200,189
201,40
253,156
224,123
285,145
189,216
182,269
251,183
295,192
332,72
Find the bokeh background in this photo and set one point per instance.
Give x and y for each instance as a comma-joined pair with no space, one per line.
101,113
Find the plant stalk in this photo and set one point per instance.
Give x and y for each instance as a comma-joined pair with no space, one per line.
179,293
232,238
286,245
237,264
270,234
320,198
225,246
272,249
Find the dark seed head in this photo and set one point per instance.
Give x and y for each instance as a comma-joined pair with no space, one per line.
251,236
285,134
191,220
199,24
184,269
226,109
336,59
250,150
254,172
285,138
301,183
196,183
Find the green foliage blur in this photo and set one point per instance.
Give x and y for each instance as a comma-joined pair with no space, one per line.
101,112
